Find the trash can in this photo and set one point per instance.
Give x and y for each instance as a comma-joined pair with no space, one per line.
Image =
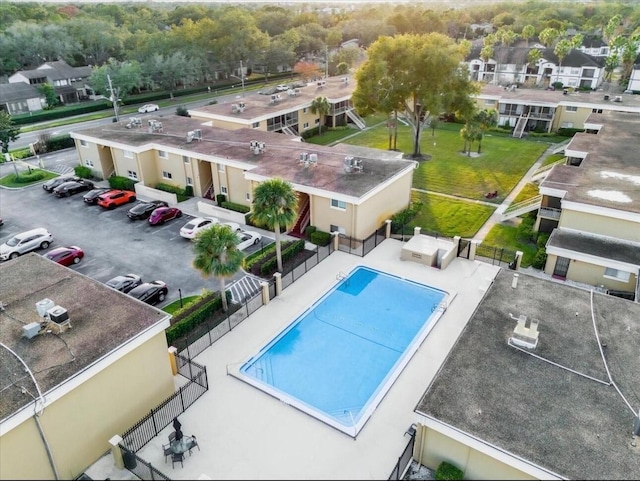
129,460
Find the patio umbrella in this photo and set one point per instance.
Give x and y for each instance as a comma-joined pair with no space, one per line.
176,424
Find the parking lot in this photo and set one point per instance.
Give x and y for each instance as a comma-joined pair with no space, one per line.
112,243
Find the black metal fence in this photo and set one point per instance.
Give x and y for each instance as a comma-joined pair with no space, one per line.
294,273
496,256
139,466
137,436
403,461
360,247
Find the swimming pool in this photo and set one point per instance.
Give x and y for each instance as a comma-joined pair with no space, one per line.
337,360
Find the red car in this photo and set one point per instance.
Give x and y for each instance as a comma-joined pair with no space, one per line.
162,214
65,255
116,197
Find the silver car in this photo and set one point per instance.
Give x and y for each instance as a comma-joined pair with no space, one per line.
24,242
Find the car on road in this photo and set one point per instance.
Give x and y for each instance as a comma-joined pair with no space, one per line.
163,214
150,292
39,238
148,108
143,210
72,187
65,255
125,283
195,225
116,197
49,185
248,238
282,88
91,197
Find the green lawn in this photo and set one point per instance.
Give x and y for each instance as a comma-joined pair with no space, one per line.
503,162
450,217
175,305
9,180
504,236
552,158
528,191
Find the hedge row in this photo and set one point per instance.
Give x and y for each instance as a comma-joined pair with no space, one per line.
60,113
197,312
123,183
320,238
243,209
448,471
271,265
33,176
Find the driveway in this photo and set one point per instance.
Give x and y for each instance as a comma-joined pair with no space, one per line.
112,243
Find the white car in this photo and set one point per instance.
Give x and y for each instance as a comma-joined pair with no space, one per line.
148,108
24,242
282,88
195,225
235,227
248,238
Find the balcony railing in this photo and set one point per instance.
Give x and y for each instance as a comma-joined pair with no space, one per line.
549,213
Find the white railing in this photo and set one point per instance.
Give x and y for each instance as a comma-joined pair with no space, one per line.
514,210
546,168
550,213
519,129
356,119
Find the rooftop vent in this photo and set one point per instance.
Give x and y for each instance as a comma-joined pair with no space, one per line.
237,108
275,98
617,98
134,122
155,126
321,83
257,147
197,134
606,96
525,335
345,80
351,164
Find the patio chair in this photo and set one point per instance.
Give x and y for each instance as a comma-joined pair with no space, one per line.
194,444
172,436
167,451
177,458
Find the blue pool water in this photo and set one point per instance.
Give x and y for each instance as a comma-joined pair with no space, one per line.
338,359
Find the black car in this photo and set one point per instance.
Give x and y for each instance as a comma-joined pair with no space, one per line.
91,197
49,185
125,283
143,210
73,187
150,292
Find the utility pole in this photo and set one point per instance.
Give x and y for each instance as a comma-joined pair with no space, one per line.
114,97
242,77
326,61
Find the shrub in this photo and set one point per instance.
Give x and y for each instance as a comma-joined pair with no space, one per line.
542,239
182,111
58,143
565,132
33,176
83,171
524,231
405,216
308,231
271,265
448,471
307,134
557,85
320,238
194,314
540,259
124,183
220,199
188,191
235,207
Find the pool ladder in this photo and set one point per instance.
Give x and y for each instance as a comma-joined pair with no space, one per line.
341,275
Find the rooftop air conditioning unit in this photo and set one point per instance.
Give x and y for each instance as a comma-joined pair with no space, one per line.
190,136
43,306
31,330
321,83
197,134
303,157
313,159
262,146
606,96
348,163
296,92
58,314
357,165
253,144
234,108
618,98
345,80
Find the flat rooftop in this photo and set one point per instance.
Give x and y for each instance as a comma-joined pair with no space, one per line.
102,319
552,415
609,176
596,245
280,158
259,106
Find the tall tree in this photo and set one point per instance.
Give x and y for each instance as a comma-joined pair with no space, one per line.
548,36
562,49
484,119
275,205
8,132
320,106
528,31
423,75
217,254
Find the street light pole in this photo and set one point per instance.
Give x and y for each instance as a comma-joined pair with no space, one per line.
242,77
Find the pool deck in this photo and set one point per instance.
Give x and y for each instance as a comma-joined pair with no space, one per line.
244,433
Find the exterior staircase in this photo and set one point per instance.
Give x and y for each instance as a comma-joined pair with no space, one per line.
289,131
303,219
519,129
208,192
514,210
356,119
542,172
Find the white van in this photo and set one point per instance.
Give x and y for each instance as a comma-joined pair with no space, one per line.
24,242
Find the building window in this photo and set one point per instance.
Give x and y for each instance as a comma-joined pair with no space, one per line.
88,162
596,111
186,159
223,189
128,154
220,167
162,154
255,125
166,175
567,125
305,125
317,121
132,174
338,204
489,102
571,108
83,143
247,196
304,110
337,228
189,181
616,274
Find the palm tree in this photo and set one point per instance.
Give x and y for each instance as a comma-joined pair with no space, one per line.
217,254
275,204
321,106
485,119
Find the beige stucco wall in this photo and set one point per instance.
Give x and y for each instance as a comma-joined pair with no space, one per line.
147,168
79,425
591,274
323,215
174,165
600,224
577,118
237,186
432,447
101,158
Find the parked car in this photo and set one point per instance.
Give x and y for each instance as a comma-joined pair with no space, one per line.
91,197
65,255
150,292
162,214
195,225
148,108
143,209
116,197
282,88
125,283
248,238
39,238
235,227
49,185
72,187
